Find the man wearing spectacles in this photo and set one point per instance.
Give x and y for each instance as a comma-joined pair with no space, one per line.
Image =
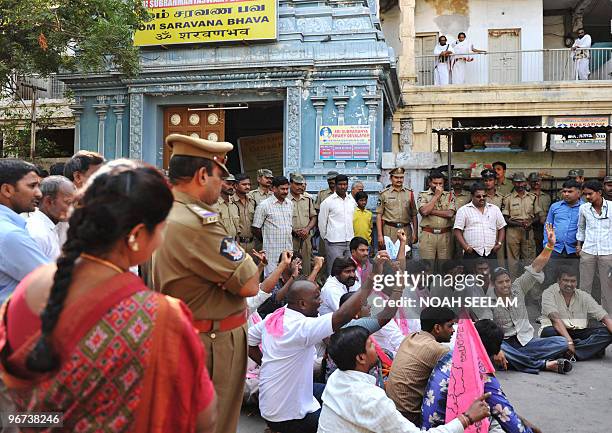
594,238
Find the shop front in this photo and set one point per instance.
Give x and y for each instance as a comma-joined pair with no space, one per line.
315,89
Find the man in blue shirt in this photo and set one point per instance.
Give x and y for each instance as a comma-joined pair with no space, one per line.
563,215
19,253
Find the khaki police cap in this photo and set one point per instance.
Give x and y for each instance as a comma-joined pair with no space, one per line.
534,177
264,172
230,178
332,175
607,179
519,176
399,171
186,145
297,178
458,174
488,173
575,172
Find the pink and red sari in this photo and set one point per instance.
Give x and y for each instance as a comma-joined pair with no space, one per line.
130,361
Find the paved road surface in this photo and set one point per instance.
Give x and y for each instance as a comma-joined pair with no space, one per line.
580,402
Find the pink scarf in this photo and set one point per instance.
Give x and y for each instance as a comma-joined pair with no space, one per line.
402,320
274,323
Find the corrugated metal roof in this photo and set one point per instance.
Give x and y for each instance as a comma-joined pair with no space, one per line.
538,128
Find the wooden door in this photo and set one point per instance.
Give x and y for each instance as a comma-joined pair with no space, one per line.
207,124
504,56
423,53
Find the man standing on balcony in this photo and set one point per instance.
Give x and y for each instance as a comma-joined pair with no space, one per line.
443,52
581,56
462,48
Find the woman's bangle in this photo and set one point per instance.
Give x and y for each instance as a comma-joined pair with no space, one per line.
549,248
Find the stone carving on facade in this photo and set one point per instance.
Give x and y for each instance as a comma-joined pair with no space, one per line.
136,115
101,107
294,128
405,139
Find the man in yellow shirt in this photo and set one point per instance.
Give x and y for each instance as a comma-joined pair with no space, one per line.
362,218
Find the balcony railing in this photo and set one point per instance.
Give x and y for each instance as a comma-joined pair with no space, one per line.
511,67
55,88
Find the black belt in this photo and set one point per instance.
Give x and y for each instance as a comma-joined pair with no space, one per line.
396,225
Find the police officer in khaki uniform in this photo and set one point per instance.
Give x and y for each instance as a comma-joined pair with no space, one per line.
607,183
323,194
246,212
264,185
543,199
396,210
203,266
494,197
577,174
462,197
503,185
228,212
437,207
263,191
303,221
521,210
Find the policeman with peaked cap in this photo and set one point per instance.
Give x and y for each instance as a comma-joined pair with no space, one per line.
304,219
543,199
207,269
494,197
607,183
396,210
228,211
577,174
521,210
263,191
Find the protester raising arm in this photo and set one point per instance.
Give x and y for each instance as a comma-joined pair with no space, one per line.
350,308
541,261
317,265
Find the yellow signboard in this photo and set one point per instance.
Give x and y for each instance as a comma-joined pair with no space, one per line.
198,21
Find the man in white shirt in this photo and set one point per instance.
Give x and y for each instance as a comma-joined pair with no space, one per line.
336,221
581,55
443,52
479,226
287,398
352,403
48,223
342,280
594,243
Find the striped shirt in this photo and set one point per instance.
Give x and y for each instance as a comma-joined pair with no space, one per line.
480,228
274,218
595,230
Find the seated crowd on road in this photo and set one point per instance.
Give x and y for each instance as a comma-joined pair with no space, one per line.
140,300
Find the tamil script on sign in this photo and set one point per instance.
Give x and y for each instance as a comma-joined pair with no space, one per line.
198,21
347,142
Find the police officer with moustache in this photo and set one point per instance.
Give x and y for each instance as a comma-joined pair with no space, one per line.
263,191
521,210
246,212
304,219
228,212
494,197
203,266
462,197
543,199
396,210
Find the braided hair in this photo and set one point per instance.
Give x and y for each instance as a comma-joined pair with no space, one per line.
113,204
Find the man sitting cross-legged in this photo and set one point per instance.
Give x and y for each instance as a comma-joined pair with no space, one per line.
566,311
288,398
504,418
352,403
520,350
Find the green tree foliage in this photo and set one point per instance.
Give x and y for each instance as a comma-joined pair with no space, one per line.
42,36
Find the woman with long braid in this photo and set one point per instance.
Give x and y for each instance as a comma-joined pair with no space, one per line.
85,336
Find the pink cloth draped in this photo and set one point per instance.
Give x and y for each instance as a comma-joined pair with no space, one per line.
274,324
470,366
402,320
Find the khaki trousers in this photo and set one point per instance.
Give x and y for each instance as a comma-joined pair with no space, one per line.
435,246
226,360
588,263
304,246
520,249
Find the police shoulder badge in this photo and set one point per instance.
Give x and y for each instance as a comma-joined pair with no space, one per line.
231,250
207,216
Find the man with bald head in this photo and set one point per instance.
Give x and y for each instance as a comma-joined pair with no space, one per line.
289,401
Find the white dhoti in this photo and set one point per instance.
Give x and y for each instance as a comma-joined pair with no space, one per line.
441,74
459,71
582,69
